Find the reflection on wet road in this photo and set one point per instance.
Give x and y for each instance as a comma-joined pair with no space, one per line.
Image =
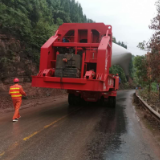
90,132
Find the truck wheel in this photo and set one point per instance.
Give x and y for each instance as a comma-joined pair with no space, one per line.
101,101
71,99
112,102
82,101
77,100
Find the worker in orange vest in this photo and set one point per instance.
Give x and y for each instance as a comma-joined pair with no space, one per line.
16,91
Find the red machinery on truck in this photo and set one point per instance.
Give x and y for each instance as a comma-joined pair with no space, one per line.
77,58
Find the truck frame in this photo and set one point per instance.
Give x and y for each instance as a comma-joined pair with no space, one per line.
77,59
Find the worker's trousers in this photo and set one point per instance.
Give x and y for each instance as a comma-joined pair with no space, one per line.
17,103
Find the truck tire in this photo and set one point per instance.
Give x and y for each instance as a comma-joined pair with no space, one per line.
101,101
71,99
74,100
112,102
77,100
82,102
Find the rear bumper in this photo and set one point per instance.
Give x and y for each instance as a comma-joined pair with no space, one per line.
70,84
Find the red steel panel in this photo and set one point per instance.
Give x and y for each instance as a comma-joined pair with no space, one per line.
95,40
72,83
71,44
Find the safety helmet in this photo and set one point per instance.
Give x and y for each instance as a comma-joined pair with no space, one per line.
117,74
16,80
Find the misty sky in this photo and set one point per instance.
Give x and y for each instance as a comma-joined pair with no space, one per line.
129,18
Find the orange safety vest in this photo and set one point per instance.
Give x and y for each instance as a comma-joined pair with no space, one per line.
15,91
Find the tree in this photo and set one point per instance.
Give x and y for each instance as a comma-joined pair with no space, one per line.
153,48
131,67
117,69
143,76
59,21
143,46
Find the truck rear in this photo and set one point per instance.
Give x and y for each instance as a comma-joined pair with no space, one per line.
77,58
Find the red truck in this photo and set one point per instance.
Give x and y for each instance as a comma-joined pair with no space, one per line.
77,58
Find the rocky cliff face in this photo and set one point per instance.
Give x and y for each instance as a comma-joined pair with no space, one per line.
15,61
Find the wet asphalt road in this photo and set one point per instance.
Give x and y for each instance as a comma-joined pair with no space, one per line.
57,132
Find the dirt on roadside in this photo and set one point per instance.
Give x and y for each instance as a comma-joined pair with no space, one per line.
34,96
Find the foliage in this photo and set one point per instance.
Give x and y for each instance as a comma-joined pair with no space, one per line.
153,48
154,87
143,46
117,69
140,66
131,67
119,43
34,21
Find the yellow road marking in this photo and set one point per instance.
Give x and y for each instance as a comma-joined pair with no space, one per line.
15,144
51,124
1,154
35,133
26,138
55,122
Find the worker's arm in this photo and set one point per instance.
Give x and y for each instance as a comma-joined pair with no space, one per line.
22,91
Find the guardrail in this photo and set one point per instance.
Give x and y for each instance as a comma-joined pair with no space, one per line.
155,111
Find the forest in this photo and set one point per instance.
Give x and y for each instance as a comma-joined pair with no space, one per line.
34,21
147,67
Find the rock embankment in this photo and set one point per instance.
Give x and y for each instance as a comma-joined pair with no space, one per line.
15,61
